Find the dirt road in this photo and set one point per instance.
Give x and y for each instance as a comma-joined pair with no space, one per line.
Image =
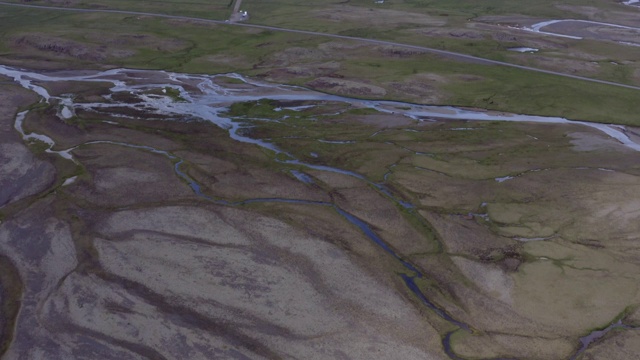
235,14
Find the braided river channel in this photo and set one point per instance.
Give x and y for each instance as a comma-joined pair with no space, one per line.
200,97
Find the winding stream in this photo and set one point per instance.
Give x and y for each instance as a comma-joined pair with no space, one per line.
537,28
207,100
594,336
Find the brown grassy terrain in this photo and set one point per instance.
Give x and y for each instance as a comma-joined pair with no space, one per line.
525,232
519,261
128,256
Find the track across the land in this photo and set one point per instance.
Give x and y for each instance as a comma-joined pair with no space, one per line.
336,36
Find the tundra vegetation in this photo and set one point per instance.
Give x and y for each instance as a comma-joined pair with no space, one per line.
166,238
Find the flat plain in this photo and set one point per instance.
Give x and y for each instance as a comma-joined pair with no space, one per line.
151,209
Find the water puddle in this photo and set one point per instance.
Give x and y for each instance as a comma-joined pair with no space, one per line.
503,179
511,177
305,178
69,181
523,49
337,141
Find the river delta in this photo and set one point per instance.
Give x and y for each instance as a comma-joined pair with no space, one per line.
150,214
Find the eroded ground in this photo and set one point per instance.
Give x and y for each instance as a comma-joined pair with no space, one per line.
165,238
127,262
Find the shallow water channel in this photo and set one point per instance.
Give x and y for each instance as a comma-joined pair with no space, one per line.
203,98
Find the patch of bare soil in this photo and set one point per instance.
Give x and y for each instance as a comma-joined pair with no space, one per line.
398,52
303,70
223,60
58,47
335,45
417,92
346,87
268,281
136,41
587,141
572,66
421,88
294,56
505,20
522,38
302,63
126,176
464,235
451,33
504,36
65,48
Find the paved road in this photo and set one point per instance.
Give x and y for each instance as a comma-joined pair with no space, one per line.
313,33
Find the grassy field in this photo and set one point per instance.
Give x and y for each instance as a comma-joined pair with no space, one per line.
57,39
217,9
279,10
273,11
470,27
398,20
